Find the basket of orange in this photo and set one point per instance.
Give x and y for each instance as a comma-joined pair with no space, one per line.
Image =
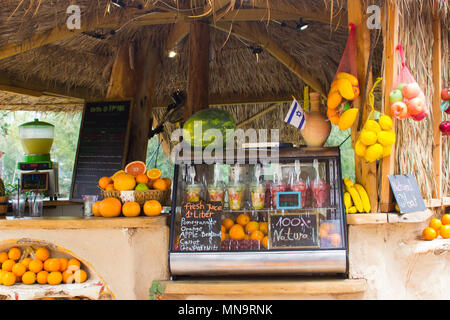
137,184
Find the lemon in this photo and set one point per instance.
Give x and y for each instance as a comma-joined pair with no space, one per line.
386,138
385,122
372,125
368,137
347,118
360,148
386,151
374,152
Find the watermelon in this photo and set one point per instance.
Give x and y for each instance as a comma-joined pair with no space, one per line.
209,119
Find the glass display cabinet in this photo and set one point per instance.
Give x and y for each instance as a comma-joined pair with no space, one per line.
263,212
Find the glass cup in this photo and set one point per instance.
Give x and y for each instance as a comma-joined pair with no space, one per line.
277,187
89,201
258,195
321,193
18,205
235,196
193,192
216,193
35,204
301,186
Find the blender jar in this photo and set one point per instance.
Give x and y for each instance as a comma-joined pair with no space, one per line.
36,137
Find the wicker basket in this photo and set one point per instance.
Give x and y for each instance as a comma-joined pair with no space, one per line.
141,196
3,205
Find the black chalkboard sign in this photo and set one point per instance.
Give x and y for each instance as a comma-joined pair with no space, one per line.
289,200
34,181
406,193
294,230
200,226
102,145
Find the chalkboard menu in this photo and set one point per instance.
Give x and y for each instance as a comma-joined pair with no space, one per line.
406,193
294,230
200,226
102,145
289,200
34,181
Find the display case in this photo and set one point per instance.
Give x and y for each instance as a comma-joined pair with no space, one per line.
276,211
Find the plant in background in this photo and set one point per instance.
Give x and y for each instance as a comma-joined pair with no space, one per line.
10,189
3,124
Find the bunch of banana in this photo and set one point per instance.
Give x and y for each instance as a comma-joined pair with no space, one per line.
355,197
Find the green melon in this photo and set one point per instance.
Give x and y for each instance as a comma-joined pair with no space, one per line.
209,119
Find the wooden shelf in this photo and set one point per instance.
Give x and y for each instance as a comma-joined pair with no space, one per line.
82,222
382,218
259,288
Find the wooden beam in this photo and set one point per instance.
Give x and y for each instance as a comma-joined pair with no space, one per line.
390,35
177,33
436,103
251,31
21,91
365,173
198,70
258,115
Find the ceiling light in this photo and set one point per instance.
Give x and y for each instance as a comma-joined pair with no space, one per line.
172,53
302,25
119,3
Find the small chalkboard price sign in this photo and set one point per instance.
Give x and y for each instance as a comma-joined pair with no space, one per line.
406,193
102,145
289,200
200,226
294,230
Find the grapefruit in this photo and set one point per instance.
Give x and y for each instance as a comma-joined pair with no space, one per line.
124,182
136,168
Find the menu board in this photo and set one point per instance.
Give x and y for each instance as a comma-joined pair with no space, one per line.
200,226
294,230
406,193
102,145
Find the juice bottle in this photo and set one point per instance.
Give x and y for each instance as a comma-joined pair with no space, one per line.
277,185
320,189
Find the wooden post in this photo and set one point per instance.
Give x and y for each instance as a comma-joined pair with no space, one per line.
365,173
133,77
390,71
436,110
198,71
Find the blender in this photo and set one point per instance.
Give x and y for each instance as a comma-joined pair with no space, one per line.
38,172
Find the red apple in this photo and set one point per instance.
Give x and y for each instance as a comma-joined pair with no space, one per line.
415,106
445,127
399,110
420,116
411,90
447,111
445,93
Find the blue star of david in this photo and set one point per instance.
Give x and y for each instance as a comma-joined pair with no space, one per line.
298,113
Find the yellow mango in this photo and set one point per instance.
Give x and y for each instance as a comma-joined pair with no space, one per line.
345,89
347,118
344,75
334,100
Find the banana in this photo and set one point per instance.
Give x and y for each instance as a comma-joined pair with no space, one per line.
347,200
356,199
352,209
348,183
364,197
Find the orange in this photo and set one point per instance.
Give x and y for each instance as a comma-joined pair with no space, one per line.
429,233
264,227
52,265
14,254
29,277
19,269
96,209
243,219
3,256
54,278
63,263
335,239
152,208
116,174
445,219
150,184
110,187
142,178
168,182
257,235
35,265
246,237
41,277
2,273
237,232
227,223
67,277
333,115
8,279
42,254
26,262
124,182
136,168
265,242
48,298
436,224
104,182
445,231
8,265
154,174
80,276
323,230
73,265
222,235
222,228
251,226
159,184
131,209
110,207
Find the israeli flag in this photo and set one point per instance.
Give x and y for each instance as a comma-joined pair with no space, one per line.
296,116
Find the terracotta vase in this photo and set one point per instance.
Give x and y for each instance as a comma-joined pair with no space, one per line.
317,127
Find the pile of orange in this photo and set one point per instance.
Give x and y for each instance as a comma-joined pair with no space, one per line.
42,270
244,228
112,207
437,227
135,177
